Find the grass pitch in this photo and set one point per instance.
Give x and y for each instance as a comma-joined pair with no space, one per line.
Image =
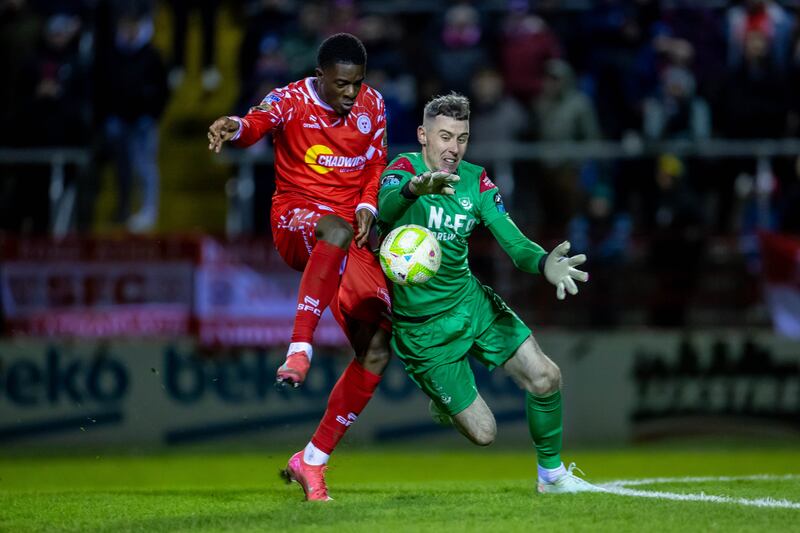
479,490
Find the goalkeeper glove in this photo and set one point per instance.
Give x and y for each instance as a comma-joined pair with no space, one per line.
559,270
428,182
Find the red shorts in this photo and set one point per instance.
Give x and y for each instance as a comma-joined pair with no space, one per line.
363,295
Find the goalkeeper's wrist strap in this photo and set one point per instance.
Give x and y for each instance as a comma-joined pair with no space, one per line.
405,191
542,261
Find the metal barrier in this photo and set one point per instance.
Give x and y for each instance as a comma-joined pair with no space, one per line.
62,195
240,190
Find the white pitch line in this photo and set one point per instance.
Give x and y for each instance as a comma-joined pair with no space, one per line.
619,487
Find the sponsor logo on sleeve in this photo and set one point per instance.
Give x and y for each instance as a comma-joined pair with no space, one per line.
402,164
498,203
271,99
486,183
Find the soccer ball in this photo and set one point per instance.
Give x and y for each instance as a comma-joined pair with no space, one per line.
410,255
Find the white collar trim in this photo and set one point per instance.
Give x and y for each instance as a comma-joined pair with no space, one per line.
313,92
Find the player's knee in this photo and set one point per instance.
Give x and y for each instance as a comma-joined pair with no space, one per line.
376,359
484,436
547,381
336,231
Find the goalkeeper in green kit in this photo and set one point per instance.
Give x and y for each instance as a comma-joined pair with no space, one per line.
436,325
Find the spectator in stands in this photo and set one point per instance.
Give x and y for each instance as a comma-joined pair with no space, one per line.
498,119
460,50
765,17
756,99
52,108
267,69
676,112
754,104
757,208
54,89
675,221
562,113
389,73
343,17
211,78
789,213
794,83
20,30
262,63
133,95
602,231
614,35
526,45
496,116
702,29
303,37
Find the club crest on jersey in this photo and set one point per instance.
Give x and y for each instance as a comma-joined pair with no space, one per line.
364,124
466,203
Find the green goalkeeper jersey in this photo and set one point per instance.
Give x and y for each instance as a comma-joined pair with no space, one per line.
452,219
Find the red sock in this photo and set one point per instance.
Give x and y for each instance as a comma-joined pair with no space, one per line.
317,288
348,398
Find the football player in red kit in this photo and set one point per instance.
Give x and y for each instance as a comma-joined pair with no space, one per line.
329,134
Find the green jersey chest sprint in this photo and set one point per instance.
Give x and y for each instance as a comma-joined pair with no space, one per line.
451,218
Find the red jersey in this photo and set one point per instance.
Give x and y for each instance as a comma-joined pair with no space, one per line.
320,155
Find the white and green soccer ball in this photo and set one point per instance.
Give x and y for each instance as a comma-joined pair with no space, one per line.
410,255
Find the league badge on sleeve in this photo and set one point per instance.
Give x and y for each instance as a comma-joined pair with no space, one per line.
266,104
390,179
498,203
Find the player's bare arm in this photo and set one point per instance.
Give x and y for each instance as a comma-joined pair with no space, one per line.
364,219
221,130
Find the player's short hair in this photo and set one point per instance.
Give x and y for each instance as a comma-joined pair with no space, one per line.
453,105
341,48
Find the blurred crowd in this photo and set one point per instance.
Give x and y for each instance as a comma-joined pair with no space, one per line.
634,71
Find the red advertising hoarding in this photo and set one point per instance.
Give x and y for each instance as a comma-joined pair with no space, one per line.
227,293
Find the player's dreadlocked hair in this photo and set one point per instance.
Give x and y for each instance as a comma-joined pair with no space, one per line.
453,105
341,48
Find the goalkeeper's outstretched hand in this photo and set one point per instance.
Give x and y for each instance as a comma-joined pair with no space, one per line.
438,182
559,269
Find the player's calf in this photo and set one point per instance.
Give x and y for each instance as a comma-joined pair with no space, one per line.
477,423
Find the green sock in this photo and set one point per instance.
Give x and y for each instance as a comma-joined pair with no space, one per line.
544,423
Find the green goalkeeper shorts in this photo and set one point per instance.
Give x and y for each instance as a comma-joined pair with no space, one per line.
434,351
